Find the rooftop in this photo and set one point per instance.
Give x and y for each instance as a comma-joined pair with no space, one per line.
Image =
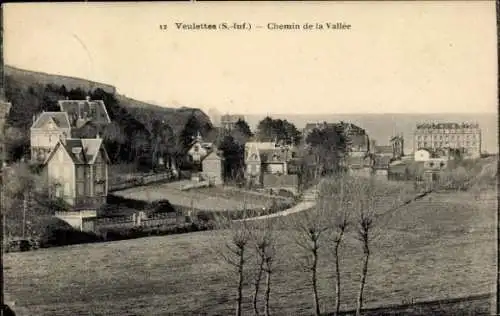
85,110
448,125
81,150
61,119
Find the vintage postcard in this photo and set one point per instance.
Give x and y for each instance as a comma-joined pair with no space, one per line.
249,158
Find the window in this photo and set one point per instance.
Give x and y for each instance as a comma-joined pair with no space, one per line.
80,189
98,172
66,189
80,173
99,189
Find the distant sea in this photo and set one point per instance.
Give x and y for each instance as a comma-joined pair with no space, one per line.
381,127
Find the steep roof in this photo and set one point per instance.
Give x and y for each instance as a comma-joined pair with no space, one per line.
86,110
252,153
81,150
447,125
61,119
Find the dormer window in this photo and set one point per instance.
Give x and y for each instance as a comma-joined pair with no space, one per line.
76,150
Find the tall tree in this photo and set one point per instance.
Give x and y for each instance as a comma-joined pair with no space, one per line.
270,129
235,252
163,141
310,229
243,127
329,148
114,138
365,216
233,157
336,196
190,130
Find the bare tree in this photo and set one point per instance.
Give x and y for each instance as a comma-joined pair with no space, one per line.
235,252
365,209
336,196
265,243
310,228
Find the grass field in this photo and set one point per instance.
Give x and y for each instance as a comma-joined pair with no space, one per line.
440,247
204,199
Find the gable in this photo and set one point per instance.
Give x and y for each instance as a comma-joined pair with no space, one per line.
252,154
59,155
50,125
197,148
51,120
101,157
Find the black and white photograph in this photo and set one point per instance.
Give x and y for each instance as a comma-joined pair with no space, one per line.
249,158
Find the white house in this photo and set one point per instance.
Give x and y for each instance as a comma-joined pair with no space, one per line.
46,131
77,171
422,155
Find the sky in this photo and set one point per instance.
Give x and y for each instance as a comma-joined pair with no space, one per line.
398,57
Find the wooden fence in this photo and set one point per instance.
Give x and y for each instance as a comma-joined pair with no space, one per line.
135,220
138,180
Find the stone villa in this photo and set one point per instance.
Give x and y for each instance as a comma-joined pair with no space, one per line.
466,137
75,169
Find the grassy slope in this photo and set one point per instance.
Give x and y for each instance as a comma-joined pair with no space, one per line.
175,117
211,198
438,248
34,77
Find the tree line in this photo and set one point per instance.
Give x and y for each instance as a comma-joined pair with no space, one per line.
143,142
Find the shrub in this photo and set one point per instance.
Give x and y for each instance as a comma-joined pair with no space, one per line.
59,233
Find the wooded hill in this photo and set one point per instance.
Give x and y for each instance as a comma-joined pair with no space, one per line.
138,129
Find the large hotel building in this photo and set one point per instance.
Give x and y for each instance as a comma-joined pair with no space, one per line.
463,136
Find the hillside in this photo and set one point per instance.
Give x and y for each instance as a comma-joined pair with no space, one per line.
33,92
172,116
437,248
30,78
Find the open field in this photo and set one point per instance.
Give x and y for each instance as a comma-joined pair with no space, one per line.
440,247
203,199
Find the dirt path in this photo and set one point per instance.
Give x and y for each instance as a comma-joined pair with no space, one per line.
305,205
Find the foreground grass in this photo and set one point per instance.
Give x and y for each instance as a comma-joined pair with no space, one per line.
440,247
